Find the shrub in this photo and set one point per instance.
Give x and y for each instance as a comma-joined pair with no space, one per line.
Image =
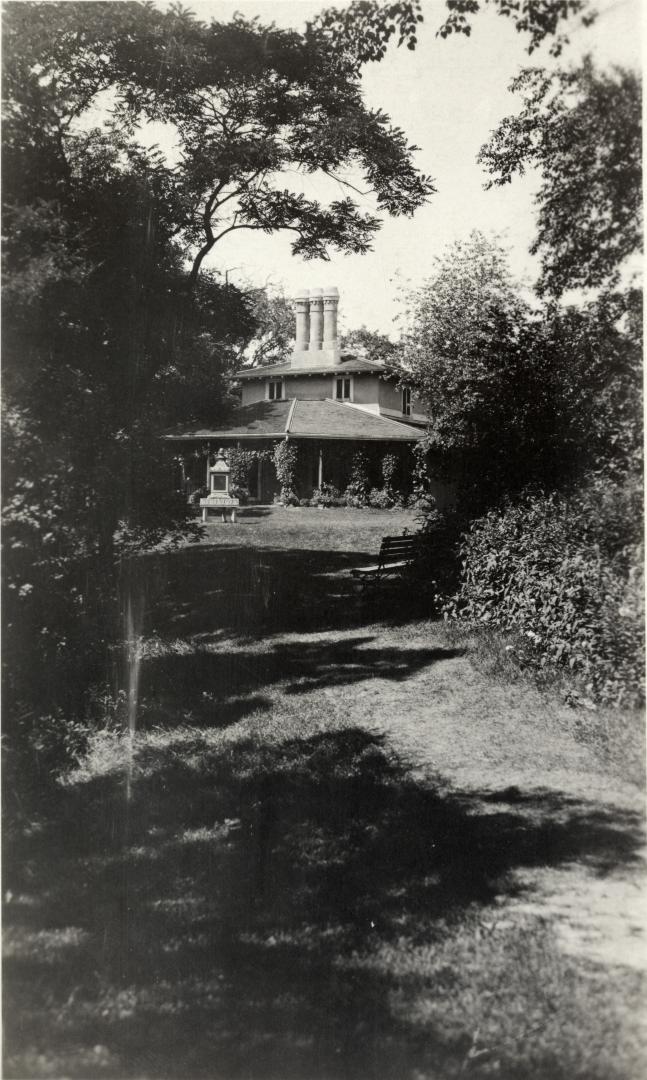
441,534
326,495
195,496
381,499
565,574
385,499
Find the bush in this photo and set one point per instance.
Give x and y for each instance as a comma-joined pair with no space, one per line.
564,573
195,496
441,534
380,499
326,495
385,499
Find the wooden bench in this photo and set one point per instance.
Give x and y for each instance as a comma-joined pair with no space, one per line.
395,556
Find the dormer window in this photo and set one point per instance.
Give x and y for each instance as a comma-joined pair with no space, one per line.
275,389
343,388
406,402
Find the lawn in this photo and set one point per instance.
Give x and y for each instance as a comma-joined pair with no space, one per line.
333,847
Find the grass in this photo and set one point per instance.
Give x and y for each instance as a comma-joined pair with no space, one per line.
333,849
616,735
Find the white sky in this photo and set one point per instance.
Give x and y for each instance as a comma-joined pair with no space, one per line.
446,96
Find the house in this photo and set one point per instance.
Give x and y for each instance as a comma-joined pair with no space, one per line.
327,403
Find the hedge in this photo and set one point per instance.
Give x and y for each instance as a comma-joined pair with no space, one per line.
564,573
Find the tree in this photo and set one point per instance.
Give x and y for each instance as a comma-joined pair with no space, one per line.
113,328
582,130
461,349
367,26
274,335
588,364
245,102
372,345
517,395
101,352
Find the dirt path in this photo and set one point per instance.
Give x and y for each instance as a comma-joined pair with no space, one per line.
498,741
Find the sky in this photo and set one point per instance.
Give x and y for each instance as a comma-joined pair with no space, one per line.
447,96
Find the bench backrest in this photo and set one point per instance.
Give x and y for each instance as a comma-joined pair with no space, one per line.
397,549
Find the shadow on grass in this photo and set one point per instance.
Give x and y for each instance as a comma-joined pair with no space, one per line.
197,685
217,923
205,589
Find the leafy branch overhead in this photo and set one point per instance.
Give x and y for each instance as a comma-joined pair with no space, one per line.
245,105
366,27
581,129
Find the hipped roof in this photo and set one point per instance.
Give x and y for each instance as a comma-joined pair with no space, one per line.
346,366
305,419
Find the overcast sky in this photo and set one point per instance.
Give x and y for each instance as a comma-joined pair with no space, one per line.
447,96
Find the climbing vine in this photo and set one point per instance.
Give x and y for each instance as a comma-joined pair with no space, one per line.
285,463
389,470
357,492
240,463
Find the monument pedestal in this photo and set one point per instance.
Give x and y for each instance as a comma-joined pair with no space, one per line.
223,504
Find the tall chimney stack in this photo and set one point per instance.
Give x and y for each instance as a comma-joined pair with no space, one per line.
331,303
302,305
316,328
316,320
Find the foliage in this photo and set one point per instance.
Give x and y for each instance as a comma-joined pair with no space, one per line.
273,337
581,129
564,574
587,406
390,466
240,464
286,456
357,490
327,495
94,367
384,498
114,330
516,395
246,102
461,349
367,26
539,19
370,344
421,498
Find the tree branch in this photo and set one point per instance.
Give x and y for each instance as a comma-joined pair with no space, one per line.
345,183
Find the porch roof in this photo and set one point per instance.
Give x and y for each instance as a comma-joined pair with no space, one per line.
303,418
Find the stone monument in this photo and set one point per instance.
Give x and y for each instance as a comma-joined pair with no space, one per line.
219,498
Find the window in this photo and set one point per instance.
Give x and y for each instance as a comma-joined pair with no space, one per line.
275,389
406,402
343,389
